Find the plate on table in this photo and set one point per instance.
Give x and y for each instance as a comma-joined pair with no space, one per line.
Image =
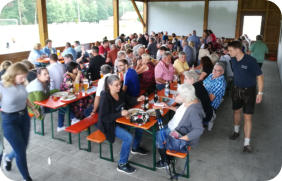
60,94
152,112
68,97
134,110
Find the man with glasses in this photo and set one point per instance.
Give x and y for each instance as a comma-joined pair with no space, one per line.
215,85
164,71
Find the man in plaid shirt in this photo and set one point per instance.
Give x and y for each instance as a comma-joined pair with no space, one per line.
216,84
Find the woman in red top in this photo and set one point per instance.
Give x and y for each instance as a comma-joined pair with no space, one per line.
146,71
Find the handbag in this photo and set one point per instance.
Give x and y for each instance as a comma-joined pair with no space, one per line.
178,145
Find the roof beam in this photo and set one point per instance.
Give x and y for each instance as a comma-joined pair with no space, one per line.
116,18
206,15
138,13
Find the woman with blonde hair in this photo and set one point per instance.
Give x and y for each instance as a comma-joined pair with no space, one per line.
146,71
35,54
4,66
15,119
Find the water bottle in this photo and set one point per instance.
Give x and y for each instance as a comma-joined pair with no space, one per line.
167,89
146,102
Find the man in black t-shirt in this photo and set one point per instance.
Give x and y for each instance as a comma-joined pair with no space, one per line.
96,61
247,76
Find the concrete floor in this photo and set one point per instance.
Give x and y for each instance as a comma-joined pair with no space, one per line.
215,159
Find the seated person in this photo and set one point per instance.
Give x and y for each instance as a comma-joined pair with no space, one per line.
4,66
56,71
96,61
112,55
146,71
191,77
161,51
32,73
69,50
35,54
120,55
180,65
216,84
131,85
186,124
39,90
82,56
48,49
83,107
104,48
207,67
106,70
130,57
67,59
114,104
77,48
164,71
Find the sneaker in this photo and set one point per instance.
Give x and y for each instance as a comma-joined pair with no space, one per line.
161,164
139,151
59,129
74,120
248,149
7,164
234,136
126,168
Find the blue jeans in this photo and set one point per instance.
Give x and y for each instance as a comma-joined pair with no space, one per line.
16,127
160,86
161,137
127,139
62,111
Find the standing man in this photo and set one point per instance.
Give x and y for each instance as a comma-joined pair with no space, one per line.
247,74
258,50
96,61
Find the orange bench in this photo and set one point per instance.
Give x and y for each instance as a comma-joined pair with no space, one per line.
99,137
182,156
77,128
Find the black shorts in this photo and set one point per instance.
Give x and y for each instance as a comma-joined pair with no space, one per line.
244,97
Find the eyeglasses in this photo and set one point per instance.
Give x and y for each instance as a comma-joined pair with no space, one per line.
217,70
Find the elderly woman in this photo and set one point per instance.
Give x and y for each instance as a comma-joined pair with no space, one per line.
186,124
146,69
35,54
113,104
16,122
83,107
192,78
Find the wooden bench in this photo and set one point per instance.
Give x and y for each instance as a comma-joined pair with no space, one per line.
99,137
80,126
182,156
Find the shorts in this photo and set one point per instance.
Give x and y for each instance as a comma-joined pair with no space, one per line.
244,97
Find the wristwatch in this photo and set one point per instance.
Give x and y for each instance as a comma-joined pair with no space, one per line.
260,93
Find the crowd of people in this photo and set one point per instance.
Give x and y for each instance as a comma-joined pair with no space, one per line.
126,67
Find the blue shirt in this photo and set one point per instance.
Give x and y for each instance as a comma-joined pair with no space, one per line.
34,55
216,87
196,40
189,54
48,51
132,82
70,50
245,71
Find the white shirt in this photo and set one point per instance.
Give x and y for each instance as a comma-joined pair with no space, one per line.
56,73
173,123
101,85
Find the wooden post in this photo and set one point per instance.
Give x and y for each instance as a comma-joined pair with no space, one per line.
42,20
138,12
145,16
206,15
116,18
266,21
238,21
